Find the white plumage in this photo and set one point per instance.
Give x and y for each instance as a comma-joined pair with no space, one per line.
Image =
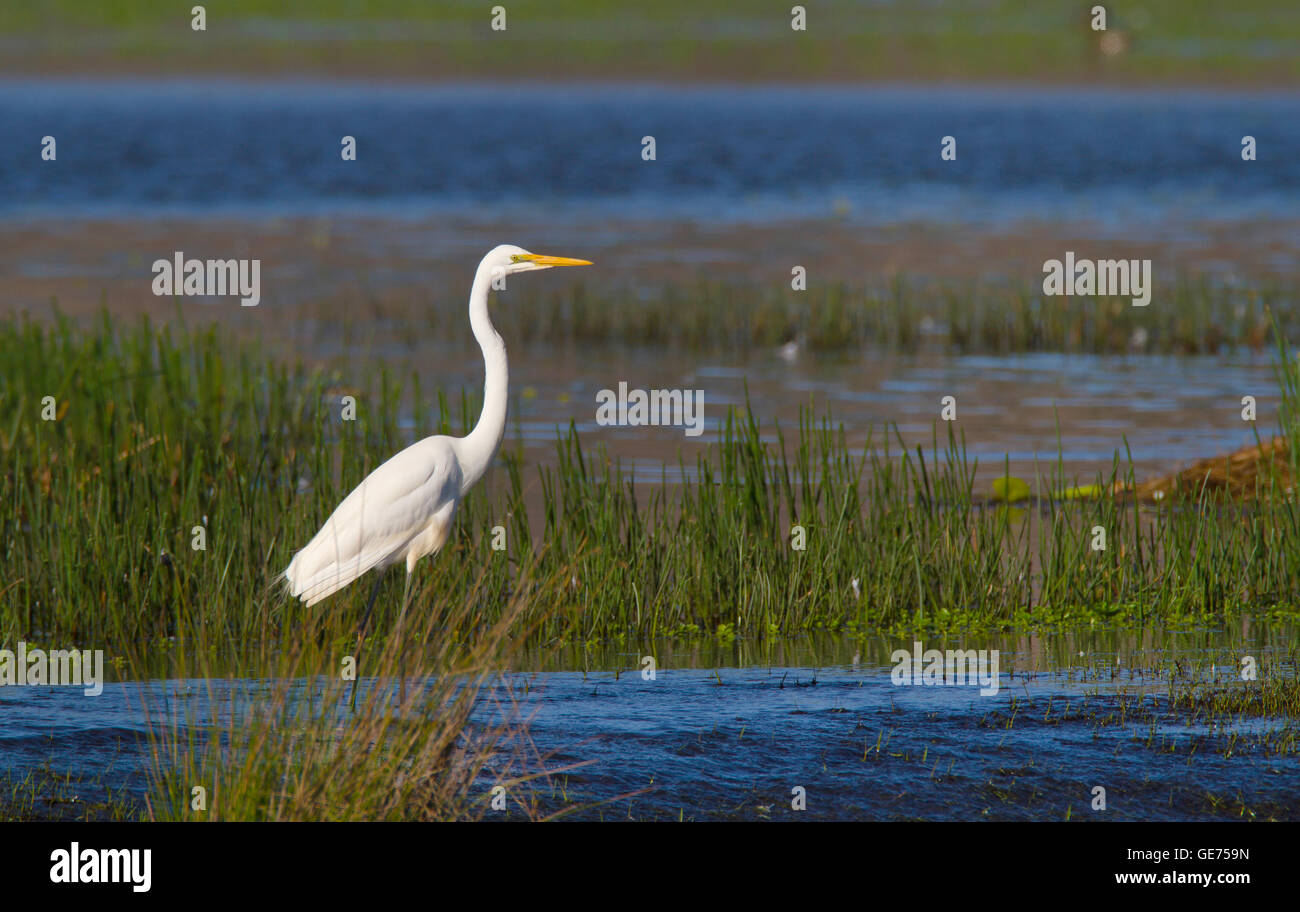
404,509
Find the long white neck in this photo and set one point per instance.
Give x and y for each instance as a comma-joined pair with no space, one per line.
477,450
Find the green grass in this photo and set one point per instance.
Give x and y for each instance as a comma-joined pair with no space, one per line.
162,430
1168,40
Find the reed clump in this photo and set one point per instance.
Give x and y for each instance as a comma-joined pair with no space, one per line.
413,725
1196,316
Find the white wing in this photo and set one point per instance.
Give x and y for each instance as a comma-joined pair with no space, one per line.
376,524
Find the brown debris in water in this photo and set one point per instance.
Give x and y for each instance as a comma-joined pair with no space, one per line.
1248,474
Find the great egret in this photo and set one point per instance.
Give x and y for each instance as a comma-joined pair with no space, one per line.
403,510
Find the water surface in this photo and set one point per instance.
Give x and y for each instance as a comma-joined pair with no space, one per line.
1130,160
716,736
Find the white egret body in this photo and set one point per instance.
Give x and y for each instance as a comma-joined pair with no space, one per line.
403,510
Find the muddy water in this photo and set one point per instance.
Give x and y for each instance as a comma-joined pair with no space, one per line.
1170,411
719,733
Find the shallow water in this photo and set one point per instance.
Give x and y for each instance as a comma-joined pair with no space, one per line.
1012,409
736,745
710,739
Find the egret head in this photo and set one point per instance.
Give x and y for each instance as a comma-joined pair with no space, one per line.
509,259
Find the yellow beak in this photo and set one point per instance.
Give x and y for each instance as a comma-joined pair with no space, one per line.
543,260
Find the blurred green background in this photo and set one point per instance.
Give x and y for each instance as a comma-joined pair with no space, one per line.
1248,42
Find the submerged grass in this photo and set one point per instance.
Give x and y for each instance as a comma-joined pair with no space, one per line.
179,469
43,793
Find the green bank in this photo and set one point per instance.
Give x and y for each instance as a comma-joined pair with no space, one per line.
1148,41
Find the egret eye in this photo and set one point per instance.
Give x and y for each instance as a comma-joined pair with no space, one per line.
517,258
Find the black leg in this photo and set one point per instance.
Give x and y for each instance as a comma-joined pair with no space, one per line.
401,655
374,594
361,633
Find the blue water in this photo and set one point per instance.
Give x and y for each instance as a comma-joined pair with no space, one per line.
723,153
733,743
